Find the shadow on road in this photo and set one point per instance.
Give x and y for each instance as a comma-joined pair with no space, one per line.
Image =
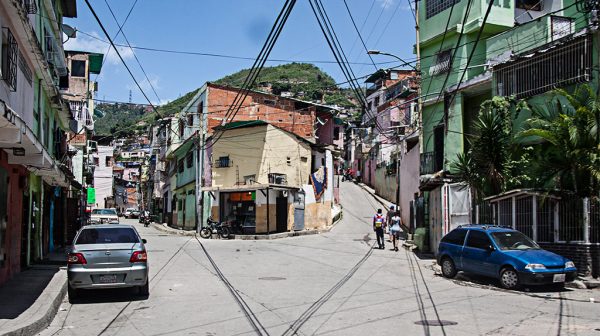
19,293
492,283
90,296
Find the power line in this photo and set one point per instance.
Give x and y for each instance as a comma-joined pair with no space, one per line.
134,55
118,32
359,35
362,26
197,53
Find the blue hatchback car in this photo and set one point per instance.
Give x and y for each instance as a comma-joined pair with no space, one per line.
502,253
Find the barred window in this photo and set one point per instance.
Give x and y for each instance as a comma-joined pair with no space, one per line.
189,160
566,64
442,63
434,7
10,52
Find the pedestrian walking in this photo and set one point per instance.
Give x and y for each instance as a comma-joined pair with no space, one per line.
395,229
378,227
388,220
358,176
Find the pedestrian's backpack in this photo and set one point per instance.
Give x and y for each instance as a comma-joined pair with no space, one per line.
379,220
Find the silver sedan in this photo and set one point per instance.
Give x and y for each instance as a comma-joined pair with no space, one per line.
107,256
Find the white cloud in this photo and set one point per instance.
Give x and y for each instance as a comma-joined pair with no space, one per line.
98,45
386,3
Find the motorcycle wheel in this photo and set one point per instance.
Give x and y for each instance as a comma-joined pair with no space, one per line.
205,233
225,232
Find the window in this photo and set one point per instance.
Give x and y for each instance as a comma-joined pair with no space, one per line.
189,160
108,161
96,161
434,7
249,179
190,120
223,162
180,166
442,63
566,64
478,239
336,133
393,75
269,102
533,5
46,131
107,236
288,160
376,102
77,68
10,51
456,237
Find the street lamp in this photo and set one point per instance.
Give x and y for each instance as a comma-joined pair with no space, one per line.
378,52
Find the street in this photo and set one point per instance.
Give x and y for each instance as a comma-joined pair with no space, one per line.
334,283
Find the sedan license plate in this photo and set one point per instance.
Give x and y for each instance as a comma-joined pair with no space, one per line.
108,278
559,278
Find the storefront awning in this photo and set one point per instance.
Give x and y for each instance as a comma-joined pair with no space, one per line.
23,148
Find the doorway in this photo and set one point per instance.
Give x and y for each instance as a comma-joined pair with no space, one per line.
281,214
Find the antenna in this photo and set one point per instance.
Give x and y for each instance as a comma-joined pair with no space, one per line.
129,96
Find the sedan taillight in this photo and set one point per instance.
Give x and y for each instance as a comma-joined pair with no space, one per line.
76,258
139,256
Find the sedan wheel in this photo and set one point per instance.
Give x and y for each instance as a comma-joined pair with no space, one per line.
509,278
145,289
72,293
448,268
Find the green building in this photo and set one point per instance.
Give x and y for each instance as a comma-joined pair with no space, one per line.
523,49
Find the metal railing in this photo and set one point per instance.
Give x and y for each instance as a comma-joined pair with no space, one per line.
428,164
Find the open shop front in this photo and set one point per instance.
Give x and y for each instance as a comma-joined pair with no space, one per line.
251,211
239,208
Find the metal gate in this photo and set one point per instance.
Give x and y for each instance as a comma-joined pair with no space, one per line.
299,211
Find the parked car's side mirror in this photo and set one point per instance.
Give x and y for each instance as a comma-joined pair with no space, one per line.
144,241
490,248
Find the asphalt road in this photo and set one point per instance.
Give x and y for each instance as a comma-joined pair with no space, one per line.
329,284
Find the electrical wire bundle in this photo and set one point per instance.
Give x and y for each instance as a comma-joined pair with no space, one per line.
256,68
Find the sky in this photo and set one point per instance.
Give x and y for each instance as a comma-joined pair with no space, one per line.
234,28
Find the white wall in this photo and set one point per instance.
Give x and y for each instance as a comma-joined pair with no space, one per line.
103,176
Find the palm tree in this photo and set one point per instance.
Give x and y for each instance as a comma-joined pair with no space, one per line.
493,163
566,128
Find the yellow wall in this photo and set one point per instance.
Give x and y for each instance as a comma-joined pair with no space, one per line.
260,150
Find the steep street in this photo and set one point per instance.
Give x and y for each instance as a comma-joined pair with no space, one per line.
329,284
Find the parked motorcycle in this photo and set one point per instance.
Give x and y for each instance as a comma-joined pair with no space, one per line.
216,228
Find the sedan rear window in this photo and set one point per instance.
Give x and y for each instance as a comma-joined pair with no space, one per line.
107,236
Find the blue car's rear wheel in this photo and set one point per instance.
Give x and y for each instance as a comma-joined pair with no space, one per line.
509,278
448,268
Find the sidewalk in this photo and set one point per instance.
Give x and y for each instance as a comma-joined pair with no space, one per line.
31,298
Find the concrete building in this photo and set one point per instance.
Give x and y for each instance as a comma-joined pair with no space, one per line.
103,175
261,175
35,165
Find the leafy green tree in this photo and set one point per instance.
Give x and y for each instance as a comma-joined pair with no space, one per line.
566,128
493,163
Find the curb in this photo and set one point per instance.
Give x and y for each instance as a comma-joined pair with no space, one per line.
337,219
170,230
54,293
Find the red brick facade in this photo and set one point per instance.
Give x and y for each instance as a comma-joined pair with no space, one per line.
291,115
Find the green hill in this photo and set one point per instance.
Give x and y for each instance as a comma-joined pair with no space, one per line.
304,81
301,80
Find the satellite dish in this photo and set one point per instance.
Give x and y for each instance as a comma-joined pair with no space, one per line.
69,31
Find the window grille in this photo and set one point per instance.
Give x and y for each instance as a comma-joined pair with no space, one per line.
189,160
29,6
434,7
563,65
442,63
25,69
10,51
223,162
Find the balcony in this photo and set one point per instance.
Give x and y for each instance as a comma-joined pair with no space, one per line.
431,163
528,36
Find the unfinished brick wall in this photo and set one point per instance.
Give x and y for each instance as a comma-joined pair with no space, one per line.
585,257
290,115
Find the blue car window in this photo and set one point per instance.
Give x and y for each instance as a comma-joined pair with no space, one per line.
456,237
514,240
478,239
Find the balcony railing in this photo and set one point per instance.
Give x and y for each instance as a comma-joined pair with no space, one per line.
428,163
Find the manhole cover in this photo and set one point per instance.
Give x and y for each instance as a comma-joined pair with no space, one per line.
436,323
272,278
